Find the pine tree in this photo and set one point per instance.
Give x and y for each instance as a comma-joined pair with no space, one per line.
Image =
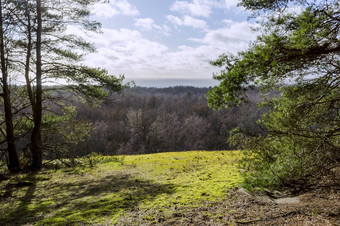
14,164
298,56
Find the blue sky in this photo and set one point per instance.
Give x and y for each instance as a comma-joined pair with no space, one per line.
167,39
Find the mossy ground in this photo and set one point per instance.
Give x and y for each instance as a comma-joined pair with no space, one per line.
112,189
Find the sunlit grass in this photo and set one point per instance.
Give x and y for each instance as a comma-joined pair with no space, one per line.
115,186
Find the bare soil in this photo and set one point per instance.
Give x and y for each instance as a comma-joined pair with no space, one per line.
320,206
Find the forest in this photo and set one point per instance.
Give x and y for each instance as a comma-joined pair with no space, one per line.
80,146
150,120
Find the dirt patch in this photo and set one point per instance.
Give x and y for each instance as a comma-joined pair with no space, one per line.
317,207
272,197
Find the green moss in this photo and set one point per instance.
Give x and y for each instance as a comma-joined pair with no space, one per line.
100,195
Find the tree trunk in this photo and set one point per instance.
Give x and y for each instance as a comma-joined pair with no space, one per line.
28,57
14,164
36,148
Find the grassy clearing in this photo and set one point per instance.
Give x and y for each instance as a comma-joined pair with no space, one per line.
105,193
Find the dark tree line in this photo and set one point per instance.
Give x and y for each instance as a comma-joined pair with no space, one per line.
150,120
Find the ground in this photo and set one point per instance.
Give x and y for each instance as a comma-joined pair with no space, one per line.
318,207
186,188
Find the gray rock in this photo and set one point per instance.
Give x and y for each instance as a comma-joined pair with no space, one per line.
244,192
290,200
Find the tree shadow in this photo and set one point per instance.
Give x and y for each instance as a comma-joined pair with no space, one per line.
87,202
28,181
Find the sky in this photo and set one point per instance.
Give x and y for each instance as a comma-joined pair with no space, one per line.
167,39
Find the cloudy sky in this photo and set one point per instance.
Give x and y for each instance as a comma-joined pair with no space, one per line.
167,39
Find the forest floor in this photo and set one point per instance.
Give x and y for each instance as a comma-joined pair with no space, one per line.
181,188
317,207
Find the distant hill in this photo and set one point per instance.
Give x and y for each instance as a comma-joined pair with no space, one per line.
163,83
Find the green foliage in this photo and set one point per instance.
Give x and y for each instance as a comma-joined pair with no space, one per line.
41,50
66,51
302,139
94,158
61,131
302,126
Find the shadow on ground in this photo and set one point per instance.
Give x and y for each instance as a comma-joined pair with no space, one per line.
91,201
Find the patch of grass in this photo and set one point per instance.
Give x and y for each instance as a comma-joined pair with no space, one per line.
196,175
116,186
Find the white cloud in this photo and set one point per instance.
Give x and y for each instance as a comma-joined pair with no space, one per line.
115,7
195,8
145,23
128,52
231,3
233,38
187,21
149,24
202,8
124,51
228,21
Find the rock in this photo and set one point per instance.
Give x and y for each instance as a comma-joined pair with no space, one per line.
257,198
275,194
290,200
244,192
263,199
272,197
278,194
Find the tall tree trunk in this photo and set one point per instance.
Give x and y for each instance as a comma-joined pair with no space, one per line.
37,112
28,57
14,164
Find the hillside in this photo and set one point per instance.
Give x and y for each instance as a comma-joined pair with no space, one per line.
140,185
183,188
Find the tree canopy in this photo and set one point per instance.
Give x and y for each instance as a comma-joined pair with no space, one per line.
297,54
37,47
